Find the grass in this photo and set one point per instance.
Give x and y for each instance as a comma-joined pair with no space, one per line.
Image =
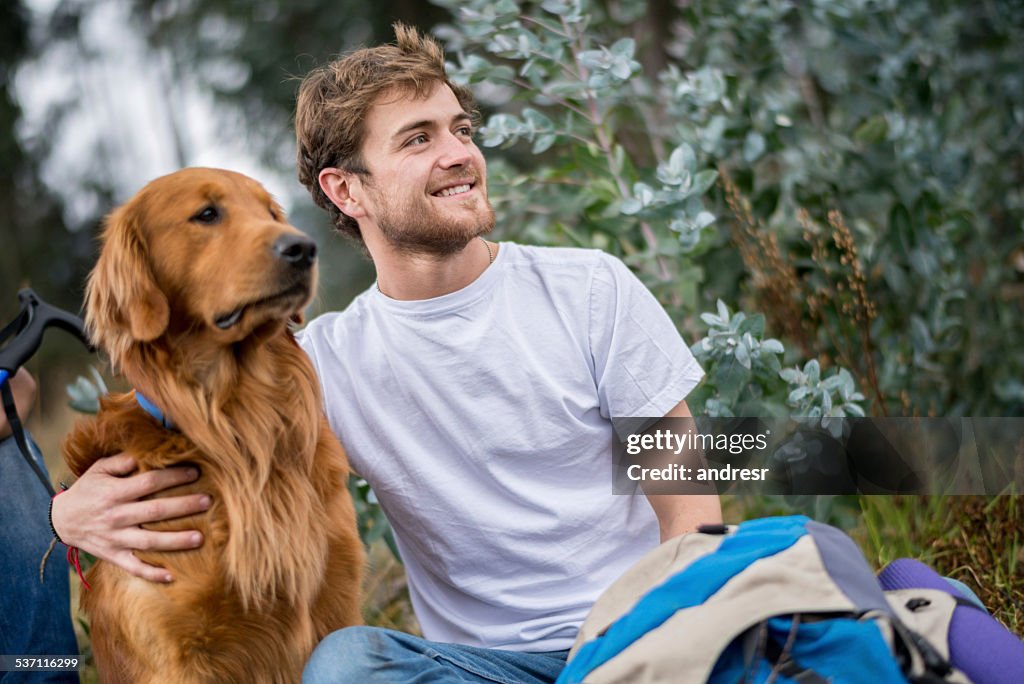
977,540
974,539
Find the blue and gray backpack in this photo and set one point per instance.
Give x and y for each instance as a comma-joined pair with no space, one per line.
771,600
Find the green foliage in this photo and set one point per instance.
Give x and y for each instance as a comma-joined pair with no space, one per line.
373,525
904,117
84,393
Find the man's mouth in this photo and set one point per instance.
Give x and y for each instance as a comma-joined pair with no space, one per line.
454,190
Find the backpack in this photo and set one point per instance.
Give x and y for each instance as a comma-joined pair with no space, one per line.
778,600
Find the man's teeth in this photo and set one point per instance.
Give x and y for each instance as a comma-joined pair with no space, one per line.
457,190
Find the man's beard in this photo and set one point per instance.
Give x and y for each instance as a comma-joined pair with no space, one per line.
416,227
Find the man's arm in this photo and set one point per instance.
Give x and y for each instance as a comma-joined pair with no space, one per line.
23,387
681,513
102,513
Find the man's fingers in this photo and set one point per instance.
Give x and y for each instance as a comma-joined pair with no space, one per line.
155,510
128,561
153,481
148,540
117,465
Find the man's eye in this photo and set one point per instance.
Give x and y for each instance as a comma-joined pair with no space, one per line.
418,140
207,215
465,130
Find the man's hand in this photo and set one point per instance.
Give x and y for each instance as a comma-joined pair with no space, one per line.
102,514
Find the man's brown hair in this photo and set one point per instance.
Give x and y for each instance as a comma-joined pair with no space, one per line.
334,99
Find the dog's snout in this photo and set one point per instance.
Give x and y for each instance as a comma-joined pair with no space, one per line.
297,250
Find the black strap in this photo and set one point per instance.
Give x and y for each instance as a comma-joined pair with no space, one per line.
937,668
783,662
19,435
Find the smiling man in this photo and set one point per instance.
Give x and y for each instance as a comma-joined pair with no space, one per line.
473,385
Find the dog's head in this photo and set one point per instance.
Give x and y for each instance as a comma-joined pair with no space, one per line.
202,252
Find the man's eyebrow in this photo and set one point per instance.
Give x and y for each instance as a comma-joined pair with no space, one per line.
427,123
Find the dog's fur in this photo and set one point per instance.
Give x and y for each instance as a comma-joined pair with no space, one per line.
281,563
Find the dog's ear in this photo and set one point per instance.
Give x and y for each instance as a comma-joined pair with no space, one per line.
122,300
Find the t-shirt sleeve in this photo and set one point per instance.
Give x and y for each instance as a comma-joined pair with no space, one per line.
642,366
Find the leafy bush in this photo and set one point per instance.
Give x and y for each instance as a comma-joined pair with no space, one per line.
904,116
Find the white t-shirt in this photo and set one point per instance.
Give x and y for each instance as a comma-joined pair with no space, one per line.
481,420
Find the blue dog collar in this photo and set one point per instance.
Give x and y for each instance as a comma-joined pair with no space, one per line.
150,408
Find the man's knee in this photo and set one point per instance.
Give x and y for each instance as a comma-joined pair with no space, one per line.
348,655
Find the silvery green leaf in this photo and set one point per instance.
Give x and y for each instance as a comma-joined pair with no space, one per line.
853,410
624,47
723,310
703,220
689,240
543,142
920,337
631,207
598,80
537,121
743,355
101,387
644,193
813,371
556,7
595,59
753,147
505,10
679,166
791,376
832,383
796,395
501,73
623,67
712,320
924,262
773,346
703,181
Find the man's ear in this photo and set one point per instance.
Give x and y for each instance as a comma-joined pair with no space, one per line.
344,189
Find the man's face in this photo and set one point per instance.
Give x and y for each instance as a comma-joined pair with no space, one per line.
427,186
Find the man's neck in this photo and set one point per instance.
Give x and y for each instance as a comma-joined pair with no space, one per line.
408,276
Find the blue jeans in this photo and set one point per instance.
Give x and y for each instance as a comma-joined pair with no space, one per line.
368,655
34,615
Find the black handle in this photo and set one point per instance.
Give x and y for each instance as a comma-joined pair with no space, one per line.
28,327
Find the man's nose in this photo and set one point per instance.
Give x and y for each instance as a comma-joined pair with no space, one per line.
454,152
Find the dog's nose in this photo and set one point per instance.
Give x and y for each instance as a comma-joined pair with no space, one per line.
297,250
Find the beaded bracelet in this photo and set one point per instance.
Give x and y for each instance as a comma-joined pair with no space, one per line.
49,515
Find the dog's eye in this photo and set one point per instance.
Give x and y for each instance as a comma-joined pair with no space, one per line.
207,215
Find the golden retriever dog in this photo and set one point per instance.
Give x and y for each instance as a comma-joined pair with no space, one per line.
197,280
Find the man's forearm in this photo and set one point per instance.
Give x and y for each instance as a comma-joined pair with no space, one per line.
682,513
